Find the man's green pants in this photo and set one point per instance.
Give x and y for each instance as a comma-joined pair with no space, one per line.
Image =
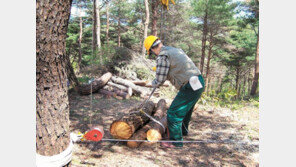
180,111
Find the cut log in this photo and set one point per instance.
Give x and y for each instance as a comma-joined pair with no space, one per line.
149,85
110,94
140,83
140,90
129,90
118,92
141,134
124,127
96,84
155,133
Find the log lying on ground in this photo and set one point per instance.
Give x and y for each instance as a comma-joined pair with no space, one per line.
140,83
156,131
140,90
148,84
141,133
110,94
129,90
124,127
96,84
118,92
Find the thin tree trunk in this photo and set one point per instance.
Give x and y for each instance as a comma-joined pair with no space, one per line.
244,86
94,34
52,104
237,80
98,30
219,84
145,25
107,17
256,75
80,39
154,8
72,79
204,40
208,62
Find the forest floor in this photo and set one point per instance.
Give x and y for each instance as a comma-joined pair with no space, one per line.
208,122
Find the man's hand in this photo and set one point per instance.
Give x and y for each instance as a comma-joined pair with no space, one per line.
155,83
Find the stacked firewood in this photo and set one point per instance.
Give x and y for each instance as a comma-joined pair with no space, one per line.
114,86
137,126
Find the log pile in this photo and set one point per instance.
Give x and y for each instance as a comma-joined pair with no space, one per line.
116,87
137,126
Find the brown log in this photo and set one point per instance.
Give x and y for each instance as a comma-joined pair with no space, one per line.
139,90
118,92
129,90
148,84
124,127
156,131
140,83
96,84
141,134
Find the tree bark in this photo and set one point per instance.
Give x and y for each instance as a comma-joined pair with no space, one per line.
95,85
52,104
256,75
124,127
154,8
141,134
145,25
204,40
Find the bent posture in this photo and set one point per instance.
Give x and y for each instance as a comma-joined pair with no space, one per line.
174,65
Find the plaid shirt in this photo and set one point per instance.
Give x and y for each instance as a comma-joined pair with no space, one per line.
162,69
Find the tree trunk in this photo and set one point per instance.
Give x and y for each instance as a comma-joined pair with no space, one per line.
145,25
204,40
256,75
154,8
98,29
237,80
94,27
141,134
124,127
107,17
139,90
72,79
208,63
80,39
52,104
118,27
95,85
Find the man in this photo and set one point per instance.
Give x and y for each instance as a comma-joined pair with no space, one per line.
173,64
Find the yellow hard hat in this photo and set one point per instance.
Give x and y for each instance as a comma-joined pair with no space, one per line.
149,41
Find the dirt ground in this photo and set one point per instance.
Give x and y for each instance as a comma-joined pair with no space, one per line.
207,123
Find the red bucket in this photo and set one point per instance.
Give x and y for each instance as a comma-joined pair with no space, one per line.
96,134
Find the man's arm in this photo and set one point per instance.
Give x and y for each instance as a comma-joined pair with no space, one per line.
162,69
